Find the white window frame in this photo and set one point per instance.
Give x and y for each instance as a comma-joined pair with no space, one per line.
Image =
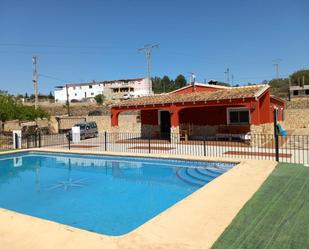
231,109
159,116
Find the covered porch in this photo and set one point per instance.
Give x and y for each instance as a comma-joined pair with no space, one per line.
186,122
232,113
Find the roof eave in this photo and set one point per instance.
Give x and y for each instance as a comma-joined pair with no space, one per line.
261,91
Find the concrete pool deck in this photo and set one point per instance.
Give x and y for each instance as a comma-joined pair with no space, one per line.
195,222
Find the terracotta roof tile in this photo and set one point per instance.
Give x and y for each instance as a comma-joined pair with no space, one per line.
226,94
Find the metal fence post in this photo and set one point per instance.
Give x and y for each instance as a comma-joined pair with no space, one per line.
276,135
27,141
40,141
149,149
204,144
36,140
105,141
16,141
69,140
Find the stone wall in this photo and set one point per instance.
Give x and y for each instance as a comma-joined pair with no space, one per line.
103,122
150,130
200,130
261,135
262,129
66,123
53,125
296,118
11,125
127,123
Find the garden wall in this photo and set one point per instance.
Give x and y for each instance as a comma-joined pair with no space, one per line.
296,118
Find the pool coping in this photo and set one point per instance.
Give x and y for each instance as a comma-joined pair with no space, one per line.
194,222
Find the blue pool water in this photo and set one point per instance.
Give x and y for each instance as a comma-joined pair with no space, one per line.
105,194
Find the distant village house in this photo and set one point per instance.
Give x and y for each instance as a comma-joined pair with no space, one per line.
114,89
299,91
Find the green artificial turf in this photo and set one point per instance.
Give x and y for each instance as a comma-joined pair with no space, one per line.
277,216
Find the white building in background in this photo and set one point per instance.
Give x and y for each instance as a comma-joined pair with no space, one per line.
114,89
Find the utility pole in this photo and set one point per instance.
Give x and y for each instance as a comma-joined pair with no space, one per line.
35,81
192,80
227,73
68,99
148,52
289,91
276,64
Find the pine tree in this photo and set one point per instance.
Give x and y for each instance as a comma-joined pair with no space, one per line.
180,81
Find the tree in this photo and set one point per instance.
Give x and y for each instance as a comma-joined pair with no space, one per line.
279,87
12,108
166,84
298,77
180,81
99,99
156,85
7,106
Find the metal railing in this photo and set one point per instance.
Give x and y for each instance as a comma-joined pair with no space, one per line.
6,142
290,149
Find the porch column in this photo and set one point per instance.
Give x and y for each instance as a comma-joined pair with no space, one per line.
175,133
114,117
113,136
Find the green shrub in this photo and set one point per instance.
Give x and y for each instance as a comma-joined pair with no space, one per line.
11,108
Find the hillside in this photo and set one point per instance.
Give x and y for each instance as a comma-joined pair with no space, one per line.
280,87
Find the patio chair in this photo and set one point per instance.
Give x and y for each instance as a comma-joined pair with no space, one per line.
186,132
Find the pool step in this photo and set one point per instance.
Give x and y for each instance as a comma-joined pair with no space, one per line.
208,172
196,175
192,177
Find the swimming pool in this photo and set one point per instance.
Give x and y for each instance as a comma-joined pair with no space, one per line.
105,194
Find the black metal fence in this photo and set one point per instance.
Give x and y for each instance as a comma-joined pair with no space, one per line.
291,148
6,142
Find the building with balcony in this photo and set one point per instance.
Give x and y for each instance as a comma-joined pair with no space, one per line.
113,89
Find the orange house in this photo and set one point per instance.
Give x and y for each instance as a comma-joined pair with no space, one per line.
204,109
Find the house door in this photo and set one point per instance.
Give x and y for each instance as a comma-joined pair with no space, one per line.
165,123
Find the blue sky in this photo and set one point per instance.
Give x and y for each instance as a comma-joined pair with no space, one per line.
77,40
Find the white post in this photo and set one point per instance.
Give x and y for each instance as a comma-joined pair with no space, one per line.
75,134
17,139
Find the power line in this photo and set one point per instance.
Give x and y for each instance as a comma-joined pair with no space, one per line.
148,52
53,46
51,77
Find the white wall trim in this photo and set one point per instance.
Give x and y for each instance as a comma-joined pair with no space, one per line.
229,109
